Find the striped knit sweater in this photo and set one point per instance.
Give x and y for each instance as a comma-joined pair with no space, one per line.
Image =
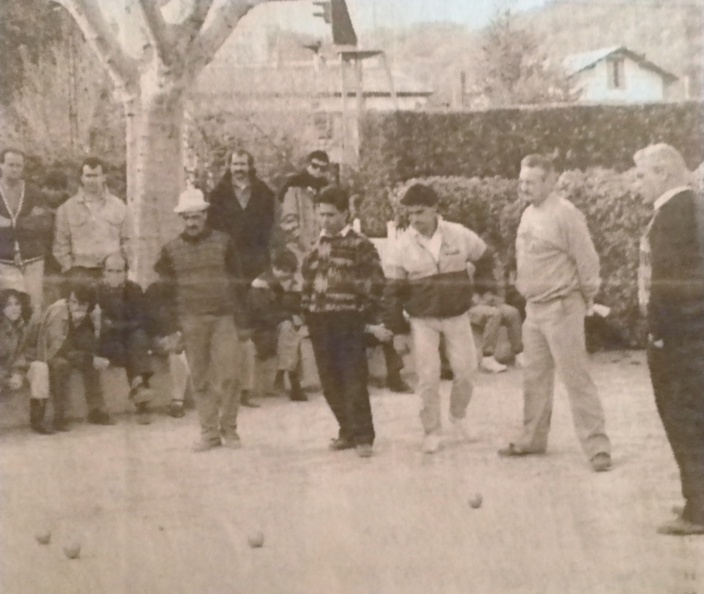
202,271
343,274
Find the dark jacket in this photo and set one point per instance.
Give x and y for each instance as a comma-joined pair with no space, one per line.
676,305
250,228
122,309
32,230
269,305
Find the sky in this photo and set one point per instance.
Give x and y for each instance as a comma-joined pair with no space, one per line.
389,13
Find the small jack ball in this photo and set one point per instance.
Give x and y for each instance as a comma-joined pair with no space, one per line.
475,501
256,540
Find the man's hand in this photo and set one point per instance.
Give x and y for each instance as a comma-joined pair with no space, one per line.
15,381
380,332
296,321
100,362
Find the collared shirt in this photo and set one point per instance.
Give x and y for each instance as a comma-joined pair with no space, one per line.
88,231
432,244
645,272
342,233
243,193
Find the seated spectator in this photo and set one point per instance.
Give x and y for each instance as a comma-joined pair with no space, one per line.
168,340
123,338
276,323
15,368
65,340
489,314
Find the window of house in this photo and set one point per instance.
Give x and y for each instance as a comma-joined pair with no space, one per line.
615,72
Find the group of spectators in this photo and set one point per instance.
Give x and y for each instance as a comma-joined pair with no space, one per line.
253,272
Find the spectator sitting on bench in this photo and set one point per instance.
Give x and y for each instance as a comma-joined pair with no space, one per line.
275,302
123,338
66,340
488,313
15,368
167,339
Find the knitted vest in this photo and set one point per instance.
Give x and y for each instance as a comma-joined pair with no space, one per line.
203,282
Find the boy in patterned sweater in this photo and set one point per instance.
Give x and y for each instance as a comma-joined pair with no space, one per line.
342,287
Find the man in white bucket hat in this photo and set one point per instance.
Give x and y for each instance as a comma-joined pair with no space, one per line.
199,266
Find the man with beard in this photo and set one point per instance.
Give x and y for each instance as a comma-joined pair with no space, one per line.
242,206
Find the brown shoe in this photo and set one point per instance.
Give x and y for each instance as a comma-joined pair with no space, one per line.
601,462
364,450
340,443
513,451
681,527
205,445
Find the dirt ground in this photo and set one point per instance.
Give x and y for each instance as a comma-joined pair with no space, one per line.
153,517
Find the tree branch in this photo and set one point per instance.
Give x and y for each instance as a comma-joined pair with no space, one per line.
194,23
160,33
97,31
222,23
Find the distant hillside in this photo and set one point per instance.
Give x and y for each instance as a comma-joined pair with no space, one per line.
670,33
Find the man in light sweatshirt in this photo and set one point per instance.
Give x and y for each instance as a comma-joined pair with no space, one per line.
558,275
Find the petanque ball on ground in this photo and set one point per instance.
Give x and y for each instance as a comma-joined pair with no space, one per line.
256,540
72,550
475,501
43,537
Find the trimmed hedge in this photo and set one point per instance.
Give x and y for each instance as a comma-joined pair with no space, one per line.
399,146
615,215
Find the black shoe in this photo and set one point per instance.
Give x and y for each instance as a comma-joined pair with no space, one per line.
41,429
177,410
298,396
341,443
61,425
446,374
245,400
397,385
99,417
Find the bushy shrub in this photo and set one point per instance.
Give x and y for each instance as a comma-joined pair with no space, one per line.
399,146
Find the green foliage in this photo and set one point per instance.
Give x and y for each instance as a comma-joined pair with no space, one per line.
399,146
616,218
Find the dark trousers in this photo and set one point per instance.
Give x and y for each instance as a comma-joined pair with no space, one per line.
129,350
338,345
677,375
60,369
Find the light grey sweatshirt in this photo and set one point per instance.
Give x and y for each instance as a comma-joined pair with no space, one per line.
555,255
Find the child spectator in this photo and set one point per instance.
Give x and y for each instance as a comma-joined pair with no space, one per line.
275,301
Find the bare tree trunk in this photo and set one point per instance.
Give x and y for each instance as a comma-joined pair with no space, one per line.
155,173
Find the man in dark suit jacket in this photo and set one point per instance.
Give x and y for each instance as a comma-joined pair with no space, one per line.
671,294
243,206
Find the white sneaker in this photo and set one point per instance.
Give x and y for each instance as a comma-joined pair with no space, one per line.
519,360
462,427
492,365
431,444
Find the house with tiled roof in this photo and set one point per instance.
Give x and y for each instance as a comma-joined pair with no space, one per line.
617,75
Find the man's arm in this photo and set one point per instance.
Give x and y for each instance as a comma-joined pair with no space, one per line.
583,252
395,291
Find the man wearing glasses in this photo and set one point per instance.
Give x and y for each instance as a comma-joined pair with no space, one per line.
298,194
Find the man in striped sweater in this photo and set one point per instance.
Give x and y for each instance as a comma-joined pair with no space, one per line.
201,268
342,287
